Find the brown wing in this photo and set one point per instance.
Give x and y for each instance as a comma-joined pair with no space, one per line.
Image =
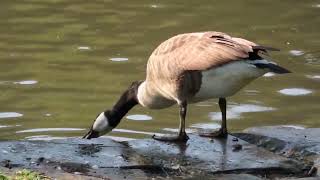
202,51
195,52
215,49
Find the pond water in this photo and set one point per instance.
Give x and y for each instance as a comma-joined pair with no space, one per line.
63,62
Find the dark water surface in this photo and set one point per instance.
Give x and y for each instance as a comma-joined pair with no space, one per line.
63,62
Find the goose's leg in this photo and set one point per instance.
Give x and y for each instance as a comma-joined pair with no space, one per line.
223,108
222,132
182,116
182,135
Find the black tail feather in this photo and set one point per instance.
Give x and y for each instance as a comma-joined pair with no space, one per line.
273,68
264,48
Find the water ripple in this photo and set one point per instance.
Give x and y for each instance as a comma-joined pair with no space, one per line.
296,52
139,117
235,111
26,82
49,129
42,138
84,48
119,59
10,114
295,91
206,125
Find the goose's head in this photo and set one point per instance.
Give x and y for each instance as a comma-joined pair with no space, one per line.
109,119
101,125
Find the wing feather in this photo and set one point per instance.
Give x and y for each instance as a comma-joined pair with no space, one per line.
197,52
202,51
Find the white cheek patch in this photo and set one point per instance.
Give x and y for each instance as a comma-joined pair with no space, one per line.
101,124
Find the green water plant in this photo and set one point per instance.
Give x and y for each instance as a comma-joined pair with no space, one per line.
24,174
3,177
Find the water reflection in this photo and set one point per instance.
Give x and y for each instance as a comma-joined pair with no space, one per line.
4,126
313,76
119,59
84,48
252,92
119,139
294,126
269,74
296,52
10,114
139,117
26,82
49,129
204,104
206,126
133,132
43,138
295,91
312,59
235,111
175,130
316,6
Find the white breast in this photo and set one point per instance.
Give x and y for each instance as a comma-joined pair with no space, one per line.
226,80
151,98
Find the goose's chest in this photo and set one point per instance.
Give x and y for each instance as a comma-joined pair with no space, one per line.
226,80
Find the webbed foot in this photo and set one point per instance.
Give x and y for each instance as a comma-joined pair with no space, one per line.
221,133
183,137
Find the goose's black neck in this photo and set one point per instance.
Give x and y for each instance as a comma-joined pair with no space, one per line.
126,102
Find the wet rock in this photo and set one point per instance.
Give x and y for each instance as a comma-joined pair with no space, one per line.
40,159
147,159
69,155
289,141
6,163
237,177
214,158
307,178
236,147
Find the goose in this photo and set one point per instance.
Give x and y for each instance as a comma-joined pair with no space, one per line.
190,68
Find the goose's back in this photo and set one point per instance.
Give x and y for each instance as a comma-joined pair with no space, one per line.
175,67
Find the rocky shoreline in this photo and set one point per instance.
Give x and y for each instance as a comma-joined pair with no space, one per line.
274,152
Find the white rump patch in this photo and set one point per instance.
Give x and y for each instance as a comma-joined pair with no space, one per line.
226,80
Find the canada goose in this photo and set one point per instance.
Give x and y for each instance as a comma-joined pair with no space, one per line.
190,68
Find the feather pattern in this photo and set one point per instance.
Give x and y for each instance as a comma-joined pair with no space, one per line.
175,67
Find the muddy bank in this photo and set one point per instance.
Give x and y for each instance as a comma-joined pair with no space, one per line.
200,158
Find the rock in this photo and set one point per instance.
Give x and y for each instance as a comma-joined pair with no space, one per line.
214,158
70,155
6,163
289,141
146,159
236,177
307,178
236,147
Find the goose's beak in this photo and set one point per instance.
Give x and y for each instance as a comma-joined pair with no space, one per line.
91,134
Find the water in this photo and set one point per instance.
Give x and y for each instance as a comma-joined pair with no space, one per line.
59,62
139,117
236,111
295,91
